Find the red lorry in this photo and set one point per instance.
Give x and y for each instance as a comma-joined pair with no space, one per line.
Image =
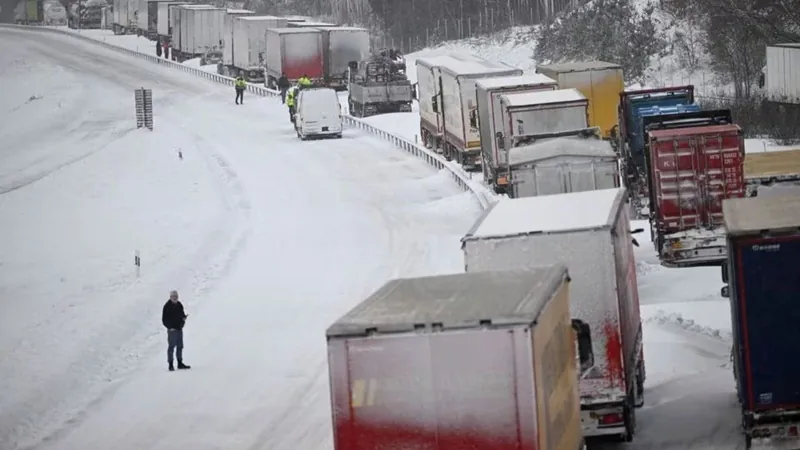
294,52
466,361
692,169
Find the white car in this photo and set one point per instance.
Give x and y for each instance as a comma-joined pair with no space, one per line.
318,113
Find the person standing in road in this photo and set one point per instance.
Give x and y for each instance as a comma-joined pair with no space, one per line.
240,85
283,86
304,82
174,318
290,102
158,48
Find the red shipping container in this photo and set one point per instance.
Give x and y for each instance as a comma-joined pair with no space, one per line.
692,170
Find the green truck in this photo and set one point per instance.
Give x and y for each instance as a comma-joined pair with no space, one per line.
29,12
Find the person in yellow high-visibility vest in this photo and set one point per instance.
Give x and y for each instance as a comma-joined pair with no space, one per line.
304,81
240,86
290,102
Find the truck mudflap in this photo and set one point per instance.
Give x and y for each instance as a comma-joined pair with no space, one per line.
692,248
779,430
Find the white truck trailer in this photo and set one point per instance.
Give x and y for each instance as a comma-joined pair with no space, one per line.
200,28
224,68
589,233
341,47
543,112
431,120
164,18
124,21
783,73
462,141
561,163
249,46
490,115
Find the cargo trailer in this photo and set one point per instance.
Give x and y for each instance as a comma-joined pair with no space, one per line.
124,21
164,18
541,112
775,168
201,32
294,52
462,141
561,163
477,360
691,171
227,40
431,122
248,46
600,82
489,119
783,73
341,47
763,239
589,233
29,12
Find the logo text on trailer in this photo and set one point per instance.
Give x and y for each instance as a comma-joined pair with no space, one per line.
767,248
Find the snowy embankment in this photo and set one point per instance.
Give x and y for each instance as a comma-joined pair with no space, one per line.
267,238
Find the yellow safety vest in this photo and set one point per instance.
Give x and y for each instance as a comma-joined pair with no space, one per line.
290,98
304,81
240,83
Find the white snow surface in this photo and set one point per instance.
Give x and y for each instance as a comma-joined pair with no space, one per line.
267,238
548,213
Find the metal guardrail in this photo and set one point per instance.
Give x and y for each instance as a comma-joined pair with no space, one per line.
484,196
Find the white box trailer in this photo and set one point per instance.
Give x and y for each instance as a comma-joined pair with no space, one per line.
589,232
227,33
462,140
560,165
490,116
431,121
200,29
783,73
341,45
541,112
123,17
249,44
164,17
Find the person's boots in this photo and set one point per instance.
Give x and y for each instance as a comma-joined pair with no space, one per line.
181,365
171,367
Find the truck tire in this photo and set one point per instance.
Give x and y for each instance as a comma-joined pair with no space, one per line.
629,415
639,384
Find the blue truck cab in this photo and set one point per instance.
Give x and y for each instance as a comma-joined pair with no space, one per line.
762,273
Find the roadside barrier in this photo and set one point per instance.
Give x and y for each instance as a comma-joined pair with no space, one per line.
484,196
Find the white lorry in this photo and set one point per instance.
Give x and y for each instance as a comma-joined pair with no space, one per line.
248,46
430,121
200,28
124,21
561,163
489,119
542,112
458,105
164,18
226,65
589,233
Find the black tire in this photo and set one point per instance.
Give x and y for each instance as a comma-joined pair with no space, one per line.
629,414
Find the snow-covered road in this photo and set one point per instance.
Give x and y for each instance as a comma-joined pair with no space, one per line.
268,239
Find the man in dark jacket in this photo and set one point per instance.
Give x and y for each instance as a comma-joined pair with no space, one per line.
173,317
283,86
158,48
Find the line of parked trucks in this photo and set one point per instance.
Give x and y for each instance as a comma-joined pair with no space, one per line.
263,48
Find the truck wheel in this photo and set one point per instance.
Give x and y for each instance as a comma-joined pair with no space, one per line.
640,384
629,415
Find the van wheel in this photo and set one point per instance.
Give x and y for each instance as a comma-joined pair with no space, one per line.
338,136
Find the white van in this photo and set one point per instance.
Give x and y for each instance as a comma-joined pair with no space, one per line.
318,113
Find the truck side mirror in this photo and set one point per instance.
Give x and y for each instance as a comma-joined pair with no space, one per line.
435,104
473,118
724,271
634,242
637,231
725,291
501,143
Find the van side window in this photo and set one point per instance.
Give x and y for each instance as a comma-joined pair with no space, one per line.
583,340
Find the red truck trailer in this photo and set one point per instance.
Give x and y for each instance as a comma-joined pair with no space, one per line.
466,361
294,52
691,171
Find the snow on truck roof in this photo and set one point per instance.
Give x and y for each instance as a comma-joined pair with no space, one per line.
293,30
578,66
542,97
240,11
515,80
752,215
548,213
456,301
476,67
257,18
562,146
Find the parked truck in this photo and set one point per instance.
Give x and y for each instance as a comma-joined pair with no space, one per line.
489,119
294,52
764,170
456,101
763,239
542,112
378,86
637,108
164,18
431,122
341,46
226,67
692,169
200,28
248,48
599,81
589,233
124,19
559,163
478,360
782,81
55,14
29,12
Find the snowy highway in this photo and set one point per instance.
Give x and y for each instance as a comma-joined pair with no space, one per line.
268,239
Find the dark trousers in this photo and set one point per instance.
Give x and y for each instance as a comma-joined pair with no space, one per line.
174,344
283,95
291,113
239,95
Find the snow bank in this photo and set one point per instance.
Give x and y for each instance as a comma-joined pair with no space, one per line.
709,317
